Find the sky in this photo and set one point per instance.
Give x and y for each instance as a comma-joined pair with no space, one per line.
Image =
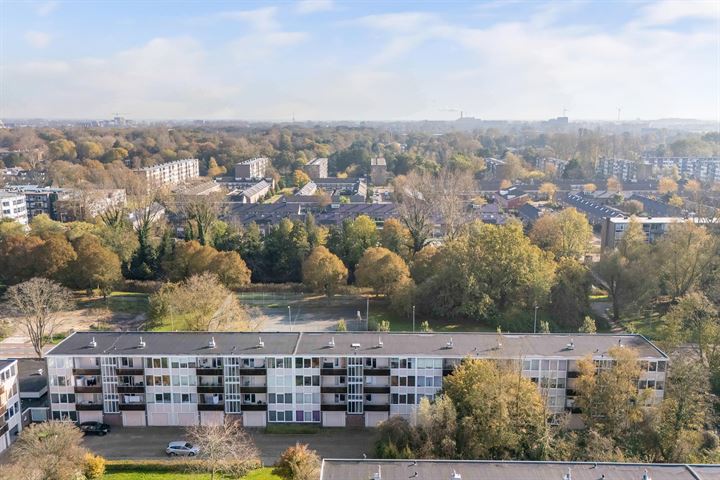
360,60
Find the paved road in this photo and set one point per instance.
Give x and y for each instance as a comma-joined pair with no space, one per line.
150,442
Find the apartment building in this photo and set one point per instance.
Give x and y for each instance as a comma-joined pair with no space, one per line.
170,173
40,200
378,171
10,421
87,204
317,168
13,207
511,198
253,168
614,228
332,379
704,169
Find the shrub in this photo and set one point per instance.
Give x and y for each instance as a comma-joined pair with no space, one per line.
341,326
298,463
93,466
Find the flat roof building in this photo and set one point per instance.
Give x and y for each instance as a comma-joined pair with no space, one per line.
317,168
10,418
329,378
253,168
13,207
614,228
170,173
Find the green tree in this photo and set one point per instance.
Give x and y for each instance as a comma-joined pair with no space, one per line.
424,263
686,253
324,272
89,150
298,463
230,269
566,234
588,326
50,451
569,296
62,149
396,237
350,241
95,267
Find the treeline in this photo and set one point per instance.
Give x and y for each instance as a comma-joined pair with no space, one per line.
488,410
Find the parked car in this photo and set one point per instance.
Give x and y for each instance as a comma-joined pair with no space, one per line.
181,448
95,428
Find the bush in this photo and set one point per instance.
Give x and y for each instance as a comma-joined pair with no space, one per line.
341,326
93,466
298,463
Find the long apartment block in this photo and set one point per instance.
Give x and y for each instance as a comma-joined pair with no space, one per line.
10,417
333,379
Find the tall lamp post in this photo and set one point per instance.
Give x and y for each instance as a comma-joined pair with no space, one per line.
290,318
413,318
534,322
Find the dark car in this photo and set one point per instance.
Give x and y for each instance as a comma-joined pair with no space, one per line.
95,428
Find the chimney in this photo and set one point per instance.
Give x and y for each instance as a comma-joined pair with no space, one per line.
93,343
568,475
211,343
141,344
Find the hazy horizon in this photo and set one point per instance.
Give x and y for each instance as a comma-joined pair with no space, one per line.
335,61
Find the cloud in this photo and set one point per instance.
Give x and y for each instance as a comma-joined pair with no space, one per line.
37,39
312,6
259,19
667,12
46,8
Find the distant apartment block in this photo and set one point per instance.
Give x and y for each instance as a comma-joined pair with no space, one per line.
253,168
10,421
40,200
88,204
13,206
317,168
614,228
331,379
170,173
378,171
704,169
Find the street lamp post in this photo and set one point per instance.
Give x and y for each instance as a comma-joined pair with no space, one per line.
290,318
413,318
535,322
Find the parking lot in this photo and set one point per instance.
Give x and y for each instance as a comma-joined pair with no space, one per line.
150,442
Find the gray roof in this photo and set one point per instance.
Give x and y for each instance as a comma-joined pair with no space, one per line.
31,381
6,363
482,345
509,470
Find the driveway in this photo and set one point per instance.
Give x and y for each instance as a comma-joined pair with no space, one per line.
150,442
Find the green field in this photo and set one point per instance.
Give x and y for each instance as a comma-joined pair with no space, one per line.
142,474
120,302
649,326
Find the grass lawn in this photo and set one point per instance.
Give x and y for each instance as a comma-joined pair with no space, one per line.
259,474
649,325
124,302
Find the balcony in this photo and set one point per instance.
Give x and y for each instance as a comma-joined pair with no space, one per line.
132,407
250,407
333,389
376,408
4,429
376,389
211,407
88,406
130,371
88,389
253,389
381,372
333,371
3,411
209,371
210,388
86,371
334,407
131,389
573,374
253,371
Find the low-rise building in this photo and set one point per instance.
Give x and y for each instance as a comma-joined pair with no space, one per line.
13,206
317,168
40,200
595,213
333,379
87,204
614,228
255,193
170,173
354,189
378,171
511,198
253,168
10,421
346,469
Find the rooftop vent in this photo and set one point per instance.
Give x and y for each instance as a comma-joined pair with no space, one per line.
355,345
211,343
620,344
260,343
93,343
380,343
571,345
331,343
450,343
377,475
646,475
568,475
141,343
455,476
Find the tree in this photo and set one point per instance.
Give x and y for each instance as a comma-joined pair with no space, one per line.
484,270
676,201
94,267
225,449
450,190
200,303
230,269
549,190
569,295
50,451
566,234
589,187
54,255
323,272
500,413
414,194
686,253
694,189
298,463
588,325
609,398
18,258
437,423
667,185
424,263
88,149
214,170
39,300
300,178
350,241
202,213
382,270
633,207
396,237
614,185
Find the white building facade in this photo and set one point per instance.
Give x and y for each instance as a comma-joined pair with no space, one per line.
10,418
